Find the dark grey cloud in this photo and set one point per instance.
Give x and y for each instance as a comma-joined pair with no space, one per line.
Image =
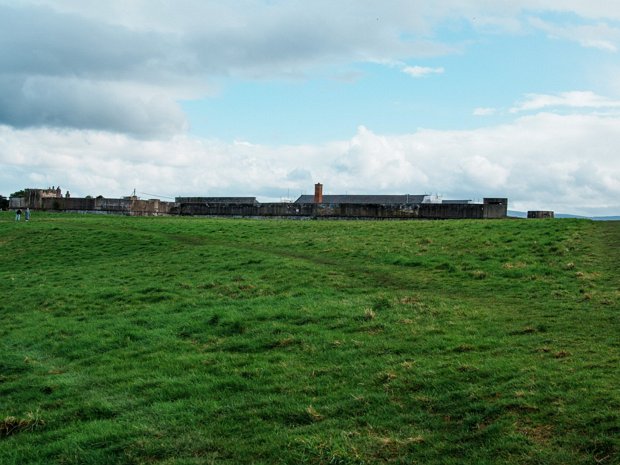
42,42
65,71
27,101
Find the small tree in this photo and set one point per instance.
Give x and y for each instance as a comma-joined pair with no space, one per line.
21,193
4,202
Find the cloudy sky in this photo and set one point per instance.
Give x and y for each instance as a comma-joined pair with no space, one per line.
463,98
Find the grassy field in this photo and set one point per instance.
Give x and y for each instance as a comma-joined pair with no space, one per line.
197,341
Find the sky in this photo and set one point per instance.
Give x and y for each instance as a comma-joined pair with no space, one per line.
461,98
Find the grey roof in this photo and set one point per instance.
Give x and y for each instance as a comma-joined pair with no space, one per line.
235,200
366,199
455,201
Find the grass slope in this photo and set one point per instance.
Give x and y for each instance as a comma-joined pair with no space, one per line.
192,341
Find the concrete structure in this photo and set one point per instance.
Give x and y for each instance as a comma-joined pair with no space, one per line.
349,210
540,214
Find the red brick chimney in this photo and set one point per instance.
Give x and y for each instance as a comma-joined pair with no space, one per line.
318,193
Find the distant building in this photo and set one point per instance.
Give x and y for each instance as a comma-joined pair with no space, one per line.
398,199
540,214
34,198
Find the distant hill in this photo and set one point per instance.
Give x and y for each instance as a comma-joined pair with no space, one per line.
568,215
519,214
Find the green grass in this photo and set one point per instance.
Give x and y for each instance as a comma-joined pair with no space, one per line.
195,341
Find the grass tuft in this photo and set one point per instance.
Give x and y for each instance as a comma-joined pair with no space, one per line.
12,425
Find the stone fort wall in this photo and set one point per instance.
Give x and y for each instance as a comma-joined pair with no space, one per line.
131,206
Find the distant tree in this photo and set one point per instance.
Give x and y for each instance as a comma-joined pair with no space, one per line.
88,197
21,193
100,196
4,202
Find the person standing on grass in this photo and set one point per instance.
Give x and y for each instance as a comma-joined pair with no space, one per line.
27,214
18,214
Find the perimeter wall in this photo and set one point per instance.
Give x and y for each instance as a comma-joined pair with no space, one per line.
309,210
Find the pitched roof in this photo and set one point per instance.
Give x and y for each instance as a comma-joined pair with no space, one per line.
366,199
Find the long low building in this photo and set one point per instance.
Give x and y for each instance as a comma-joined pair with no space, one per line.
405,206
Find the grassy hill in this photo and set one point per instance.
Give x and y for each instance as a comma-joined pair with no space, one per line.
195,341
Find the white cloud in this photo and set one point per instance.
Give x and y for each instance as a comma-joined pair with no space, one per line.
421,71
480,170
484,111
169,14
600,44
565,163
574,99
601,36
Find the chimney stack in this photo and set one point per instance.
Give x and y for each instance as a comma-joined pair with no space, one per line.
318,193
